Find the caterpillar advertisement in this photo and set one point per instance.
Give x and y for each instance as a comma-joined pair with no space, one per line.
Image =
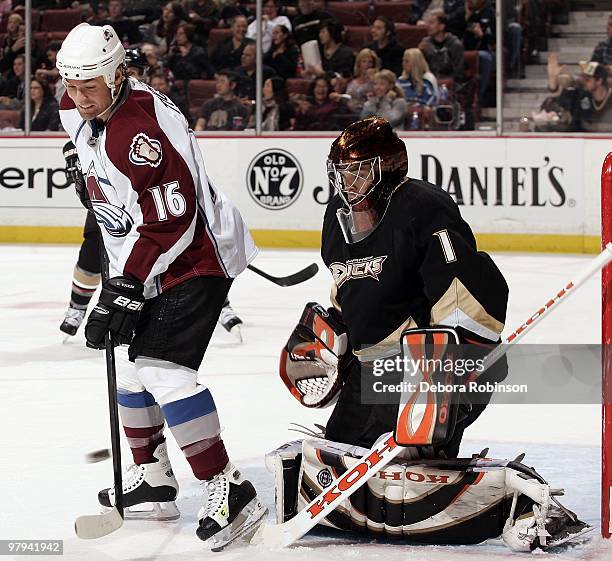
527,188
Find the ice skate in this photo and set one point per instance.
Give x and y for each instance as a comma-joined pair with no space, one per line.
232,509
538,530
72,321
230,321
149,490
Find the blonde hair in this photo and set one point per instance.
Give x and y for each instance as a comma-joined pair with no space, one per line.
418,68
363,53
391,79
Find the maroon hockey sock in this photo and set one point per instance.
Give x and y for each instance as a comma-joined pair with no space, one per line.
143,442
209,462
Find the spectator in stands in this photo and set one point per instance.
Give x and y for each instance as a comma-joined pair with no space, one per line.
559,112
598,117
225,111
14,43
154,63
12,89
45,109
442,50
5,8
48,71
246,73
337,59
513,32
271,18
203,15
229,50
387,100
230,9
283,55
160,82
322,109
136,64
479,36
419,85
366,66
603,50
385,45
150,10
172,16
278,114
454,10
126,28
307,23
186,60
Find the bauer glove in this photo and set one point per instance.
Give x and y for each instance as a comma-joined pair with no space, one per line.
74,174
116,312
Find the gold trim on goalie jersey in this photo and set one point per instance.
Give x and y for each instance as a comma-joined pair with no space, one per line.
459,308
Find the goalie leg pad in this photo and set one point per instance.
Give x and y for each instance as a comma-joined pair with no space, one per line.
457,501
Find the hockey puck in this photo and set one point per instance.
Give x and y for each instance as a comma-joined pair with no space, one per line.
97,456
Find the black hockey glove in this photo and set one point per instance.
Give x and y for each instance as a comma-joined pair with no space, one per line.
116,312
74,174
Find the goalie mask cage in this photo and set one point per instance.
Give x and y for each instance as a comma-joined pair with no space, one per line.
606,326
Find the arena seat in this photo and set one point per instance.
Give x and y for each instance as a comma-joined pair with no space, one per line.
397,12
198,91
9,118
298,85
350,13
410,35
357,36
21,11
60,20
215,37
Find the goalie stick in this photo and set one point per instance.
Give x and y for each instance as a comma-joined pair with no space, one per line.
342,487
290,280
97,525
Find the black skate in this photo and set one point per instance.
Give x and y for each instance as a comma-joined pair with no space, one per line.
558,527
232,509
149,490
72,321
230,321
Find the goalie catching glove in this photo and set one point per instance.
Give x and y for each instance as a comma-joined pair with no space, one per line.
116,312
310,362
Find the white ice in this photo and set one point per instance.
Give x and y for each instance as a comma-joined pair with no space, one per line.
54,410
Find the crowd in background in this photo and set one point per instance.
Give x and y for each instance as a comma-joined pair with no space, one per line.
581,103
426,64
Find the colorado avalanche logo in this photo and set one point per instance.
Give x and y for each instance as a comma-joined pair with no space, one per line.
145,151
115,220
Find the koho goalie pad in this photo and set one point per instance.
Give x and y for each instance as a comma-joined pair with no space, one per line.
309,362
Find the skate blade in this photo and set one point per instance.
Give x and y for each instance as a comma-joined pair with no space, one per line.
245,523
237,333
571,539
160,512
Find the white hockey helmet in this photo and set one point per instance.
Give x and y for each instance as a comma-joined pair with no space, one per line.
90,51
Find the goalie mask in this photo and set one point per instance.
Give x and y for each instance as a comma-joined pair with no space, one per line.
366,163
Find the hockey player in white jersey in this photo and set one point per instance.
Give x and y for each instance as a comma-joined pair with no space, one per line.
174,245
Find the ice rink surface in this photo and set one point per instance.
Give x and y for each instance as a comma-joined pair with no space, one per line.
54,411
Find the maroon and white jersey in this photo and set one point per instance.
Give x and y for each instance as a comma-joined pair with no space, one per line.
162,220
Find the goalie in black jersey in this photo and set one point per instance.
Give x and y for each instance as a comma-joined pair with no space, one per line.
406,271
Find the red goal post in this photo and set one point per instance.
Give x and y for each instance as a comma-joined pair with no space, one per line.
606,326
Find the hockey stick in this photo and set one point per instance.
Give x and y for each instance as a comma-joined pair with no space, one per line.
290,280
97,525
342,487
